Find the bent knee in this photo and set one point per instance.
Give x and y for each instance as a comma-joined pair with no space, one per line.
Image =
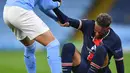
68,48
67,51
101,51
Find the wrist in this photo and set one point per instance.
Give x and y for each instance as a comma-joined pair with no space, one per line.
59,4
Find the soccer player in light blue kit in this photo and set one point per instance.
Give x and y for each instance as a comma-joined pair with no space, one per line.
28,28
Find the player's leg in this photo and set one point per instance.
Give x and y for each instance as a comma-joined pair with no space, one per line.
10,17
99,60
53,52
80,65
71,60
67,54
40,32
29,54
36,29
31,26
76,58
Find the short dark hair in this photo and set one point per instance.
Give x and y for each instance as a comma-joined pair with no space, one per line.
104,19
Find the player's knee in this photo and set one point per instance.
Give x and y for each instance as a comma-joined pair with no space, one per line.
101,51
57,42
67,52
68,48
54,43
99,55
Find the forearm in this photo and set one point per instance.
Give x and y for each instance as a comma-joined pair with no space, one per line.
120,66
48,4
49,13
63,18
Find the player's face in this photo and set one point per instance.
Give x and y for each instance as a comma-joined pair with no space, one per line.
100,31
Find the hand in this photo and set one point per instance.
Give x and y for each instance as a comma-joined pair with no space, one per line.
66,24
58,1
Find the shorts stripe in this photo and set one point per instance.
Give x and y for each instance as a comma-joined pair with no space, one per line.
66,64
95,65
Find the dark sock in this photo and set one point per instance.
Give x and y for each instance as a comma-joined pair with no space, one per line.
67,54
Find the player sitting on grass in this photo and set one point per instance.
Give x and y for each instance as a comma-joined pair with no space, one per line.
100,43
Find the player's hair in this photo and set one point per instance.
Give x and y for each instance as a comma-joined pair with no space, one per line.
104,19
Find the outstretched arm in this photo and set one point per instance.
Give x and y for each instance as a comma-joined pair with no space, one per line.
48,4
63,19
46,7
49,13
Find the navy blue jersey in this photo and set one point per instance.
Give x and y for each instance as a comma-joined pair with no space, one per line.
111,42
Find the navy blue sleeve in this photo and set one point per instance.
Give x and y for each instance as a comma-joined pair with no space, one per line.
118,53
118,56
120,66
83,25
64,18
114,45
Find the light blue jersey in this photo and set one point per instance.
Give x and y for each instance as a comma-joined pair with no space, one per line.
45,6
30,4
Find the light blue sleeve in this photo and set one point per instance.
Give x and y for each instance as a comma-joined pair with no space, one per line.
48,4
49,13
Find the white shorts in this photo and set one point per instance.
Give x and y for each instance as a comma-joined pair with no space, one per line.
24,23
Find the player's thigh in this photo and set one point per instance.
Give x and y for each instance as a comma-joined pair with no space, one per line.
25,23
12,15
9,17
45,38
5,17
32,26
35,28
76,58
82,67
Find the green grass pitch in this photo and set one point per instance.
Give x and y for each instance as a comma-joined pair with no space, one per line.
12,62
